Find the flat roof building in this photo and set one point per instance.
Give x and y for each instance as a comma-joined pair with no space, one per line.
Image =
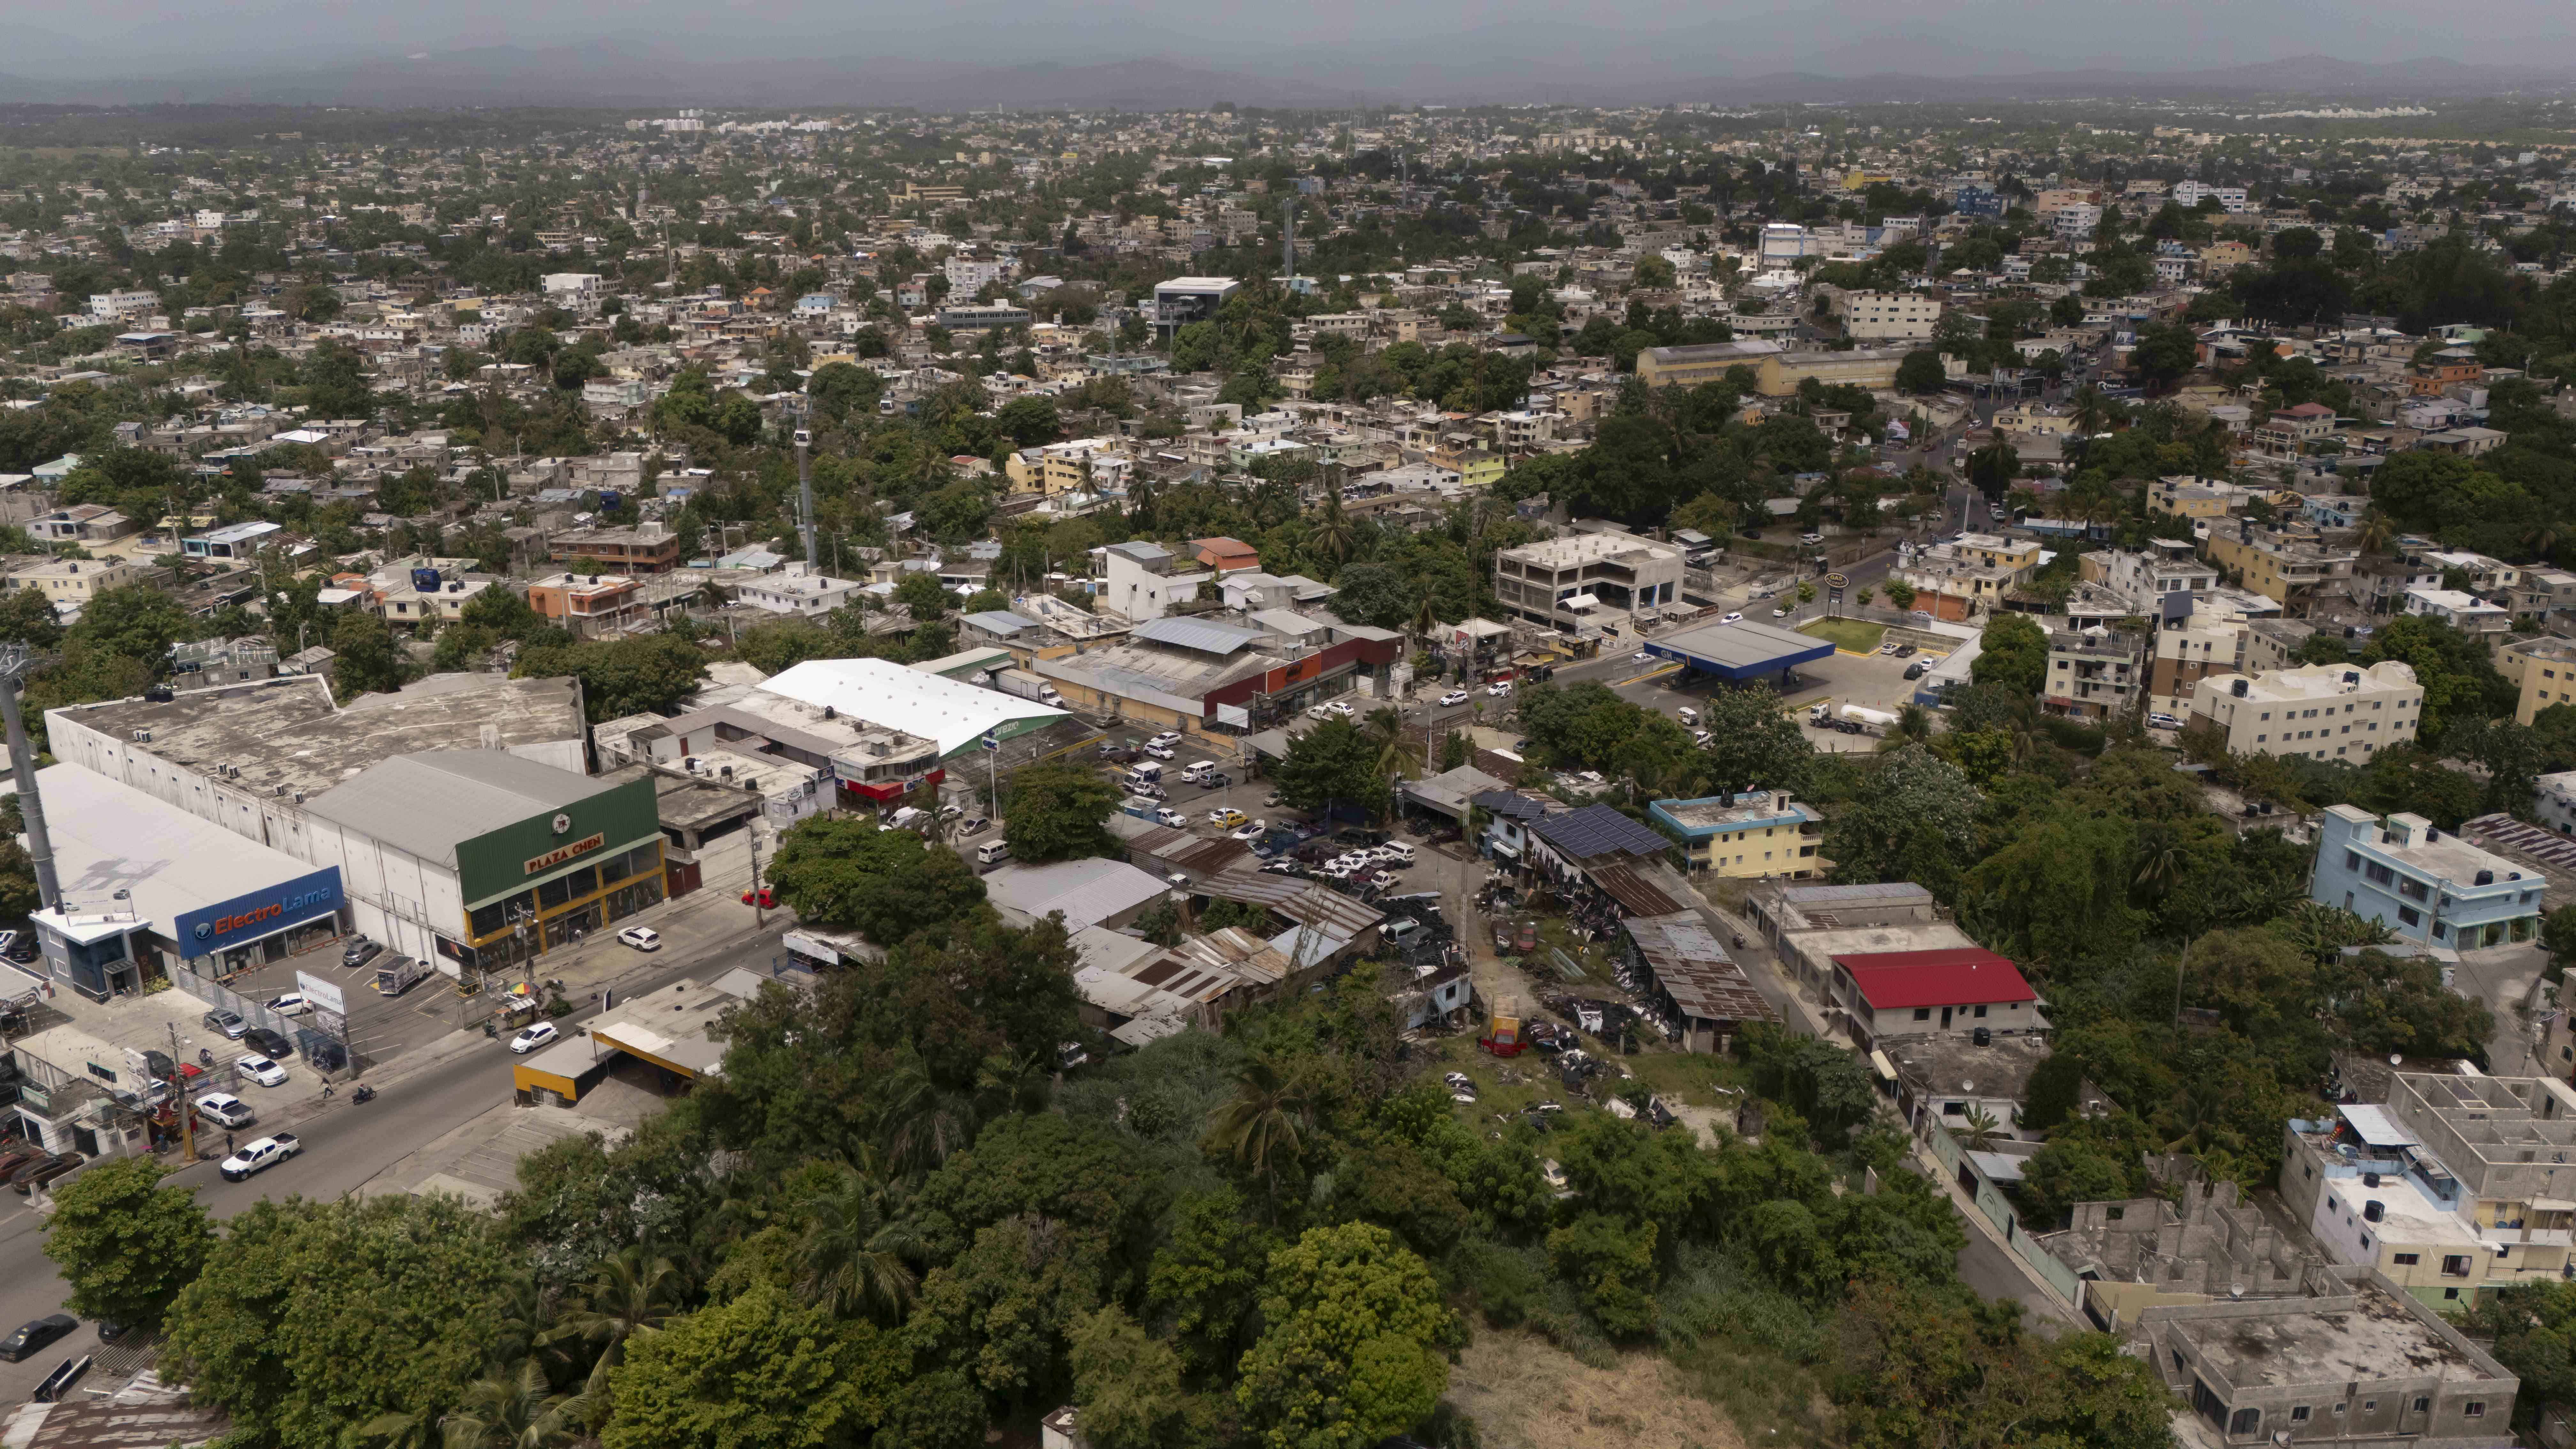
1585,582
2346,712
1757,833
2427,885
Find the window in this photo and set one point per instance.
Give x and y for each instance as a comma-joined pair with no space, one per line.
1981,1011
2298,1413
2421,1405
2410,915
2406,1260
2474,1409
2245,1423
1922,1013
1954,1109
2455,1265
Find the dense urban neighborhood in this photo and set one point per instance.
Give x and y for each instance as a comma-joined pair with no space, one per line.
1879,774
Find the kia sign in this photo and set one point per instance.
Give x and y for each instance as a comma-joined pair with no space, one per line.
323,994
213,928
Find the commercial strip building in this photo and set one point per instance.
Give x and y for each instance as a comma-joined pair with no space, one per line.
478,860
1190,673
147,887
2345,712
1690,973
2428,887
361,794
663,1036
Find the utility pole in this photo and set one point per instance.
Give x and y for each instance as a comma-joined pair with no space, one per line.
16,662
179,1098
752,836
805,494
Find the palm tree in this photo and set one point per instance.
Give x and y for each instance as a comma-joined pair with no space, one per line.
630,1296
1334,534
1423,622
2091,410
509,1409
1260,1124
1399,752
919,1125
1982,1127
2161,858
2378,531
852,1258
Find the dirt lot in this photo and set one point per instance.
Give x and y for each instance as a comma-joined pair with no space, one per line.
1524,1393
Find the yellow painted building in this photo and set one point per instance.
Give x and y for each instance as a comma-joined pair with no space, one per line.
1779,374
2276,565
2548,671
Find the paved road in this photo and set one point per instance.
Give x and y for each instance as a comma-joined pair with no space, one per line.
346,1146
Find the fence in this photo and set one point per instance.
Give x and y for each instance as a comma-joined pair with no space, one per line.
304,1035
1997,1210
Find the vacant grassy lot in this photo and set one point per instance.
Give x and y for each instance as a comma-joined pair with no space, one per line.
1851,634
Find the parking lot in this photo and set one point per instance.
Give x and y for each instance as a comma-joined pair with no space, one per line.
1874,681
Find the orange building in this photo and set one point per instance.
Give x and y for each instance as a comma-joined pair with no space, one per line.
587,605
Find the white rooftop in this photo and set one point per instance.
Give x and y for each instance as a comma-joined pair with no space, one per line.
882,692
109,837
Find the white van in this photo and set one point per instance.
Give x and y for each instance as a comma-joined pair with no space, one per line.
1688,715
1147,771
1197,769
992,852
1396,852
1400,930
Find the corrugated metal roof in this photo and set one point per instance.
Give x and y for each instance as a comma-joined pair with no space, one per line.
426,803
1198,634
2374,1126
1691,967
1087,891
1956,976
1000,621
1301,901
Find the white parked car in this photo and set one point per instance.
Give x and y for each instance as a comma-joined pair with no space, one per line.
1160,752
1779,613
260,1156
532,1037
1341,708
261,1070
291,1004
225,1110
1642,657
1251,830
1321,711
642,938
1171,817
1167,739
1733,618
1453,697
1500,689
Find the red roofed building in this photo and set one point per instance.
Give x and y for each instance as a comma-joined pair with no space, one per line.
1918,993
1226,555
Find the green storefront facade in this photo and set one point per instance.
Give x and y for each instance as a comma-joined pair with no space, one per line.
556,876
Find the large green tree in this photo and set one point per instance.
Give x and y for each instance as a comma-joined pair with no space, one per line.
1333,764
312,1317
1059,812
1352,1348
758,1372
127,1245
844,873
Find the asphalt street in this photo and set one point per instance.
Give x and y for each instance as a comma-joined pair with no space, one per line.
346,1146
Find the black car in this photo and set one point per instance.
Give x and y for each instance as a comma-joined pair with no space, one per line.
33,1336
267,1043
360,951
24,949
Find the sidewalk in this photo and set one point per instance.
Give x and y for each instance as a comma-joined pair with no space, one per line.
2040,1298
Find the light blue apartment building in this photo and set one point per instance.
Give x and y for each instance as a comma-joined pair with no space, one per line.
2427,885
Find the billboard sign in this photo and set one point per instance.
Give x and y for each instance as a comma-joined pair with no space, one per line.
323,993
248,917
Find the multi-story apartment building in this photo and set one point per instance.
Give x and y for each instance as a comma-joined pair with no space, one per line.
2287,566
2322,711
2189,650
1887,316
2461,610
2428,887
2094,674
2150,580
1584,581
69,584
1137,582
588,605
1759,833
644,548
2547,668
2453,1188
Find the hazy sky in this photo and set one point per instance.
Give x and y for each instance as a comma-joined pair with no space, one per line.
1715,37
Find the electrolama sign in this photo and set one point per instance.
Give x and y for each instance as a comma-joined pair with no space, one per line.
249,917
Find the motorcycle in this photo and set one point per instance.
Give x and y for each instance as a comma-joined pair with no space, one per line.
363,1094
205,1057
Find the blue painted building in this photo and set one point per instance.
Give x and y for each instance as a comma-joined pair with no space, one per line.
2426,885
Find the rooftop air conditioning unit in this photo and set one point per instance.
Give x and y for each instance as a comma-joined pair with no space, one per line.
143,737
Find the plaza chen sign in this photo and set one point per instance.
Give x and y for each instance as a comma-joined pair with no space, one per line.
539,864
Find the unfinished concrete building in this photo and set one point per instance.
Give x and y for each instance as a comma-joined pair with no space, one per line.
2146,1251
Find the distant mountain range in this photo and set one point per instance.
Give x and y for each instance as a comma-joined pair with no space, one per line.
609,74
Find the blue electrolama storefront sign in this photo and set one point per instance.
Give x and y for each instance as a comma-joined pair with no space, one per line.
249,917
